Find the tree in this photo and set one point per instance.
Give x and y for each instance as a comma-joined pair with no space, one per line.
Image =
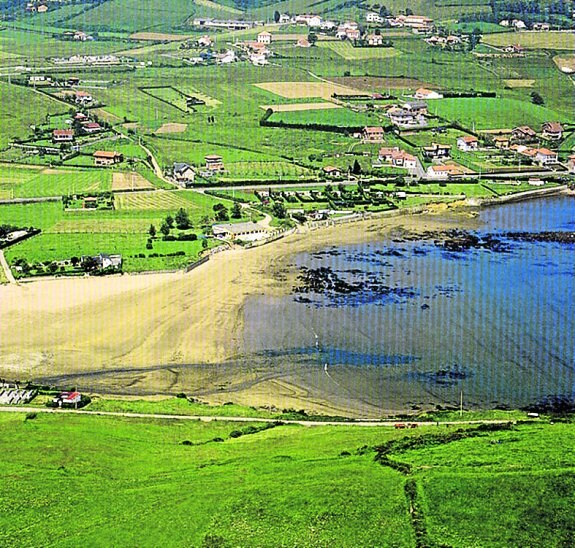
356,170
89,263
537,99
170,221
165,229
236,211
183,219
152,231
222,214
74,261
277,16
383,12
312,38
408,11
279,210
474,38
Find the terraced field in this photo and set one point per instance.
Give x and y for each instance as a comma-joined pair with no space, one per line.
153,200
350,53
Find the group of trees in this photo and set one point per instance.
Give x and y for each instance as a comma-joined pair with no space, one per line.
181,220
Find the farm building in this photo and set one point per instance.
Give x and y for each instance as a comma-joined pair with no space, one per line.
397,157
40,81
62,135
467,143
501,142
107,158
417,108
423,93
552,130
405,118
67,398
239,231
373,134
373,17
214,162
91,127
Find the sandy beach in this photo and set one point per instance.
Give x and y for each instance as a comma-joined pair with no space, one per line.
135,327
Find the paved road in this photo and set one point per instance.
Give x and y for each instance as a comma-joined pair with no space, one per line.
6,268
211,418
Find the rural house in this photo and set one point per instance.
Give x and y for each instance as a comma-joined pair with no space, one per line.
467,143
303,43
523,135
107,158
183,172
67,398
442,172
214,162
552,130
83,98
332,171
501,142
417,108
374,39
264,37
91,127
437,151
62,135
205,41
103,261
545,156
373,17
397,158
372,134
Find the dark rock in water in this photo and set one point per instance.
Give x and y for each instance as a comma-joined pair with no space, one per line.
424,307
549,237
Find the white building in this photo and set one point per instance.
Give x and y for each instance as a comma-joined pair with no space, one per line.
247,232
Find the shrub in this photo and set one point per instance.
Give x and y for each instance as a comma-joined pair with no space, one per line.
236,434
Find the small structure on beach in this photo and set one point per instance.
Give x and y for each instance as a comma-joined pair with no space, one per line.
248,232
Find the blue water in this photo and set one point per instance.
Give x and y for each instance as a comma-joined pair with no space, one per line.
429,324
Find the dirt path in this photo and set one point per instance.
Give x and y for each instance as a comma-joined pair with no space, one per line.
6,268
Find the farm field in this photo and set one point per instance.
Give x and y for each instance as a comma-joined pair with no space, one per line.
298,90
350,53
534,40
130,181
336,117
289,107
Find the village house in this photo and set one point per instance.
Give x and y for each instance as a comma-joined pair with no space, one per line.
404,118
518,24
258,59
373,134
91,127
67,398
214,163
183,173
62,135
308,19
397,158
42,8
81,36
417,108
501,142
523,135
374,39
437,151
545,156
248,231
284,19
552,131
373,17
224,58
205,41
467,143
107,158
303,43
442,172
514,48
264,37
39,80
230,24
571,163
83,98
423,93
419,24
332,171
541,26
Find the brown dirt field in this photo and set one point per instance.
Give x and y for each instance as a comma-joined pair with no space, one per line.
300,106
376,83
128,181
105,115
519,83
159,36
172,128
300,90
565,61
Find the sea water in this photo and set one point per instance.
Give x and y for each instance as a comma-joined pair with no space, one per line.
424,326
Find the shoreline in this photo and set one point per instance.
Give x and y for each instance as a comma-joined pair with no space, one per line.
175,332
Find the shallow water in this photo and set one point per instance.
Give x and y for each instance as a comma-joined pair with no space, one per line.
424,325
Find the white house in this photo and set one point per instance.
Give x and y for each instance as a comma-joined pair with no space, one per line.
545,156
183,172
374,39
442,172
373,17
467,143
264,37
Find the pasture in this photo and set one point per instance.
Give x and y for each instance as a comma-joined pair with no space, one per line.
534,40
484,113
351,53
337,117
299,90
290,107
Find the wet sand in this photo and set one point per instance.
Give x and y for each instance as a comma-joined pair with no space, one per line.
165,333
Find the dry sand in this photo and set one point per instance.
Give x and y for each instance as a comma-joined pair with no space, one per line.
125,326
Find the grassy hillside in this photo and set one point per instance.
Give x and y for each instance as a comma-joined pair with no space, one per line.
135,482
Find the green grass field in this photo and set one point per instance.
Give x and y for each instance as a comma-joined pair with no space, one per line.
493,113
534,40
348,52
332,116
283,486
